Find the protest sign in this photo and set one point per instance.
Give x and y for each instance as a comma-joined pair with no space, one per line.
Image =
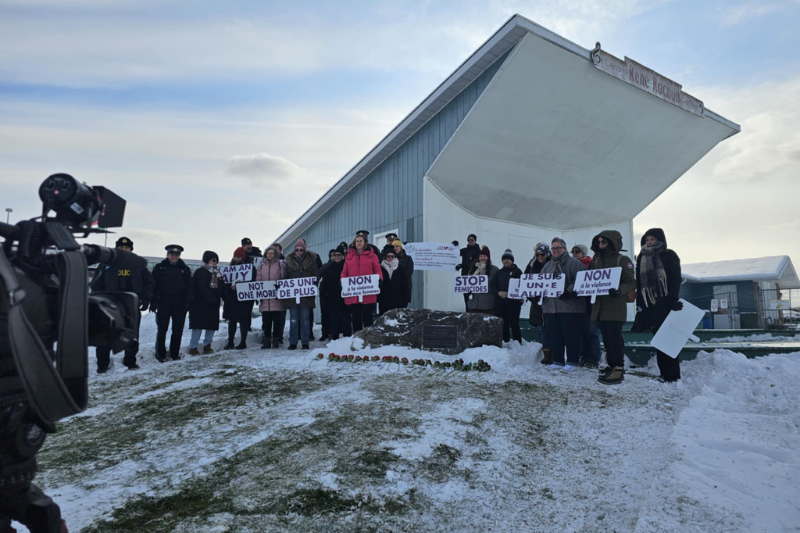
677,330
471,284
530,285
236,273
256,290
360,286
296,288
433,255
597,282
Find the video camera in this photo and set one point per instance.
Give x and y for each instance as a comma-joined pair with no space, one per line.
45,302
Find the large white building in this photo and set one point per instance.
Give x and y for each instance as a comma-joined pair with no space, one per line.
532,137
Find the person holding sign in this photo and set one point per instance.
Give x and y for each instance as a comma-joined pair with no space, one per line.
469,255
610,312
563,316
331,290
361,261
271,269
505,307
300,264
394,292
658,284
536,315
482,303
235,311
204,314
173,293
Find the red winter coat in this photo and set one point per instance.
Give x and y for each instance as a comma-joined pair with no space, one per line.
270,271
364,264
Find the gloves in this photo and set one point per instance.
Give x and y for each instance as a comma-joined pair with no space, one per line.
144,305
613,293
458,266
153,307
566,295
677,305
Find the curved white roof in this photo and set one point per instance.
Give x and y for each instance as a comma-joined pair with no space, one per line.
778,269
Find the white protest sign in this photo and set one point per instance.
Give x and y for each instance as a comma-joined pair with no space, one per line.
296,288
471,284
257,261
433,255
531,285
714,305
236,273
723,303
597,282
256,290
360,286
677,329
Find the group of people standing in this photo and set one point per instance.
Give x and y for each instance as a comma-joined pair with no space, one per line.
570,326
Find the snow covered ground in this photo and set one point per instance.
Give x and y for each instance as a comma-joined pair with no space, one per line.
272,440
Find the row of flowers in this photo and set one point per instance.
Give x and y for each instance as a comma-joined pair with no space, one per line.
458,364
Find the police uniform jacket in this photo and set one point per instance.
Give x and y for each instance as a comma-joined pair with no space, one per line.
173,281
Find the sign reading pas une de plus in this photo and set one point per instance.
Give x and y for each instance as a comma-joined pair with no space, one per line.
296,288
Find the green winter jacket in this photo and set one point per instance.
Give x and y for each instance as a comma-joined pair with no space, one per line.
608,307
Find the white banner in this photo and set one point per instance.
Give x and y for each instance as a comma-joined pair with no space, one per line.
714,305
433,255
296,288
779,304
360,286
236,273
597,282
471,284
530,285
256,290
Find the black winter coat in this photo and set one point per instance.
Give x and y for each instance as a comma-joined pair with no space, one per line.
394,292
330,286
407,262
469,254
536,315
233,309
173,280
499,283
126,276
250,257
204,313
650,318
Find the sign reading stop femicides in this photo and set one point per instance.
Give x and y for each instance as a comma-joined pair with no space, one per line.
471,284
597,282
433,255
256,290
531,285
360,286
236,273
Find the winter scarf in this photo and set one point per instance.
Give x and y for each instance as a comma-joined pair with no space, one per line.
651,271
215,275
480,269
390,266
557,263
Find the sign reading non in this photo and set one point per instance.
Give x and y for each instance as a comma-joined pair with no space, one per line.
471,284
597,282
714,305
236,273
531,285
433,255
440,337
723,303
360,286
256,290
296,288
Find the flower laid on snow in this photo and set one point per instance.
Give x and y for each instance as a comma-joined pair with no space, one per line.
458,364
376,358
404,360
320,356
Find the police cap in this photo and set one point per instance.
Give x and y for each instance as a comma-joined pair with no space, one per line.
174,249
124,241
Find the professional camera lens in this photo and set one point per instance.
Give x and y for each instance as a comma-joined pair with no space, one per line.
74,202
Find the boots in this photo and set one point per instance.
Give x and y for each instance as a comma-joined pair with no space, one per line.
614,377
207,349
230,345
547,357
193,351
276,342
266,343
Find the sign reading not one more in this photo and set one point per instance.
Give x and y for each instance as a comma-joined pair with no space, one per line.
256,290
471,284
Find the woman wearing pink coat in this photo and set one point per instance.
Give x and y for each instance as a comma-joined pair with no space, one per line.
361,261
271,269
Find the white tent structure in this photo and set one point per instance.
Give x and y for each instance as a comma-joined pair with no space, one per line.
775,269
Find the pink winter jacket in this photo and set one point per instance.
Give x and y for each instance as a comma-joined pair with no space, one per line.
270,271
364,264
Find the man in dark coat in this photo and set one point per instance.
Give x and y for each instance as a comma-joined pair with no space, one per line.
204,314
123,277
250,251
658,286
323,301
330,290
173,293
469,255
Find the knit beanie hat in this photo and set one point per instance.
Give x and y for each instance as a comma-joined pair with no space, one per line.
239,252
485,251
208,255
582,248
508,254
543,249
398,243
300,244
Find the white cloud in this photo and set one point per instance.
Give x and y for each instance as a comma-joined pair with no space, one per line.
736,14
266,170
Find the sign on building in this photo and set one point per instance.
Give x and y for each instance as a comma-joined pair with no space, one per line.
714,305
723,303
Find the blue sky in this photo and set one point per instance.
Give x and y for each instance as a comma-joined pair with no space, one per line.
215,119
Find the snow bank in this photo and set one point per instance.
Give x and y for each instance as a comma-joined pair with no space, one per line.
736,449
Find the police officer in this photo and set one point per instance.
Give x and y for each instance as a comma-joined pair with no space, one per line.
173,293
124,276
389,246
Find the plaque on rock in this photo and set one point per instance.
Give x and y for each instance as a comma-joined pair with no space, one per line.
440,337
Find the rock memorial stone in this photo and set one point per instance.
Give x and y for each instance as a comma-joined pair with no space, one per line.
406,327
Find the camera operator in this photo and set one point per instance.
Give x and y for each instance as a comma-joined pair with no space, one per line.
173,293
125,277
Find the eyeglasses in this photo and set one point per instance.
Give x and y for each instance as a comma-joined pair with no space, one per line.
602,241
577,251
470,240
390,257
557,248
299,249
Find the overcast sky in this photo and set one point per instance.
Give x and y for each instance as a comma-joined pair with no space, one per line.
217,120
